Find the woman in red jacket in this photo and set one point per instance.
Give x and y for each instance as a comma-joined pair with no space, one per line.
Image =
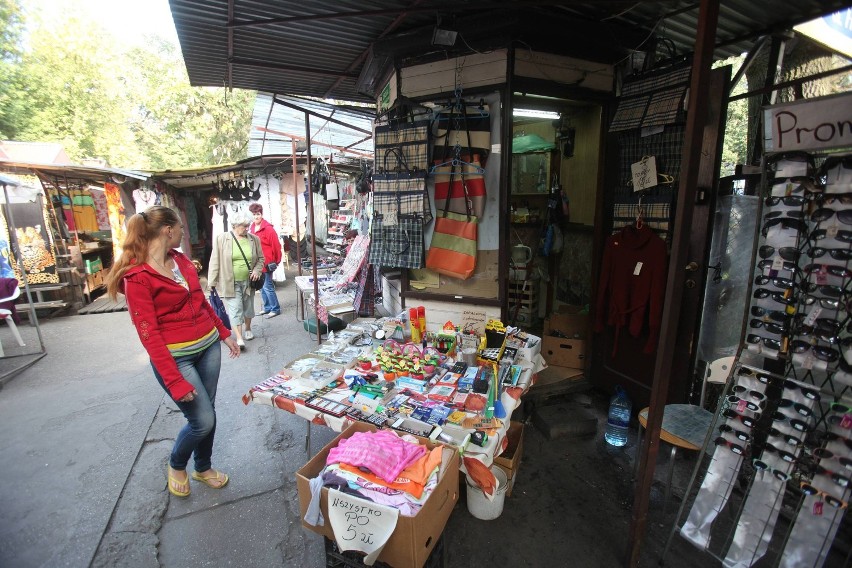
271,246
180,332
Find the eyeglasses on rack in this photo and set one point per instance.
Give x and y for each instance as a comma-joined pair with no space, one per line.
840,235
736,448
738,434
829,499
826,213
824,303
762,466
788,200
775,328
749,422
809,393
755,339
838,478
789,223
795,423
783,454
835,253
780,297
824,289
821,352
826,454
788,439
832,269
787,266
740,390
787,253
797,407
735,400
783,283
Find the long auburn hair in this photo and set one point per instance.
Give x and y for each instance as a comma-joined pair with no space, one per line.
142,228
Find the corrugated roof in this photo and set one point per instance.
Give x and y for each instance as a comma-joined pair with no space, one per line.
273,124
319,48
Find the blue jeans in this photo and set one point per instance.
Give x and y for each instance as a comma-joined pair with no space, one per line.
269,300
202,371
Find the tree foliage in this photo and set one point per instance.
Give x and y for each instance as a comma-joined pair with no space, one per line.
11,101
133,106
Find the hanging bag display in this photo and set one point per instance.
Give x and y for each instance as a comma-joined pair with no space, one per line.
399,245
255,285
400,192
469,188
409,136
476,127
453,248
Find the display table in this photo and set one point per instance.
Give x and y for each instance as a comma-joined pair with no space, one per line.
337,304
289,390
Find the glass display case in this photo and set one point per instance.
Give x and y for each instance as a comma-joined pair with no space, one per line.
531,173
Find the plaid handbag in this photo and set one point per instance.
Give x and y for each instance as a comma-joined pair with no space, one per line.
471,132
400,192
399,245
411,138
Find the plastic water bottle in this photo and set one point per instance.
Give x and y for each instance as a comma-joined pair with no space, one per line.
618,420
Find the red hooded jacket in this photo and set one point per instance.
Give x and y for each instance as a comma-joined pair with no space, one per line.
165,312
269,243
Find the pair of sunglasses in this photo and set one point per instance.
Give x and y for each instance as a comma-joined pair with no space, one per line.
795,423
826,454
798,407
835,253
780,297
738,434
776,328
736,448
789,201
748,422
741,391
783,454
738,402
821,352
832,269
788,439
842,236
788,266
755,339
824,289
828,499
787,253
778,282
826,213
762,466
786,223
809,393
824,303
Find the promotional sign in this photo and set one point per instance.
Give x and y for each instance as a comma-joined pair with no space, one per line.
815,124
359,524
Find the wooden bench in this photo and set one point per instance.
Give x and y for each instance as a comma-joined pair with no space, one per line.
40,302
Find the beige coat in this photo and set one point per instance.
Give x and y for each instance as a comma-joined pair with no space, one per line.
220,273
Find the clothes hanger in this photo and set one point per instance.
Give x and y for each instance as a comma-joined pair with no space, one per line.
456,161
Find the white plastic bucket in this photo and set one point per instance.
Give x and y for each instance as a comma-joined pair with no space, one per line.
479,505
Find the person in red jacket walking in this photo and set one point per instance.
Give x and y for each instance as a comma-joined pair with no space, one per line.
181,333
271,247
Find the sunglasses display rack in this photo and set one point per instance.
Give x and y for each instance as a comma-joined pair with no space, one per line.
781,447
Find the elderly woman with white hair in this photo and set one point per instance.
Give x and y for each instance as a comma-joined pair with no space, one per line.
236,259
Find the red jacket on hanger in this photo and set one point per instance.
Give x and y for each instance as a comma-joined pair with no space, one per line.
269,243
164,313
632,284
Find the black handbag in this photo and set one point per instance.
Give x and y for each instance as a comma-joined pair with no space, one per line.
253,284
219,307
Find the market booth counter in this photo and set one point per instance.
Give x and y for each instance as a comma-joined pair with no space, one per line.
462,407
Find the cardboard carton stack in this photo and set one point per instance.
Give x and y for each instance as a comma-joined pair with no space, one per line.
564,338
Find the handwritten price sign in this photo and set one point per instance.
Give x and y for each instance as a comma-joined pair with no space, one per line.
644,173
360,525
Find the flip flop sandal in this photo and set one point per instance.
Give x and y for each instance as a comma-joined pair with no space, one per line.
220,477
175,484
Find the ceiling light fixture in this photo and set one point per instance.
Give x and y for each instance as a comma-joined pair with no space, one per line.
533,113
443,36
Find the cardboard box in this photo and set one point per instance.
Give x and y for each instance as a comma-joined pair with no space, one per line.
569,351
414,537
510,460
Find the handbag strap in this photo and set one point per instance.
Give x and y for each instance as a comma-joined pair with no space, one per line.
400,160
241,252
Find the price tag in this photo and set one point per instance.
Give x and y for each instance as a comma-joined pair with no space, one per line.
822,276
359,524
831,231
788,190
637,269
644,173
809,361
846,421
777,263
817,509
741,406
812,317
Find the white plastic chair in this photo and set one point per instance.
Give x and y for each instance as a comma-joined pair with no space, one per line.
718,372
7,315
